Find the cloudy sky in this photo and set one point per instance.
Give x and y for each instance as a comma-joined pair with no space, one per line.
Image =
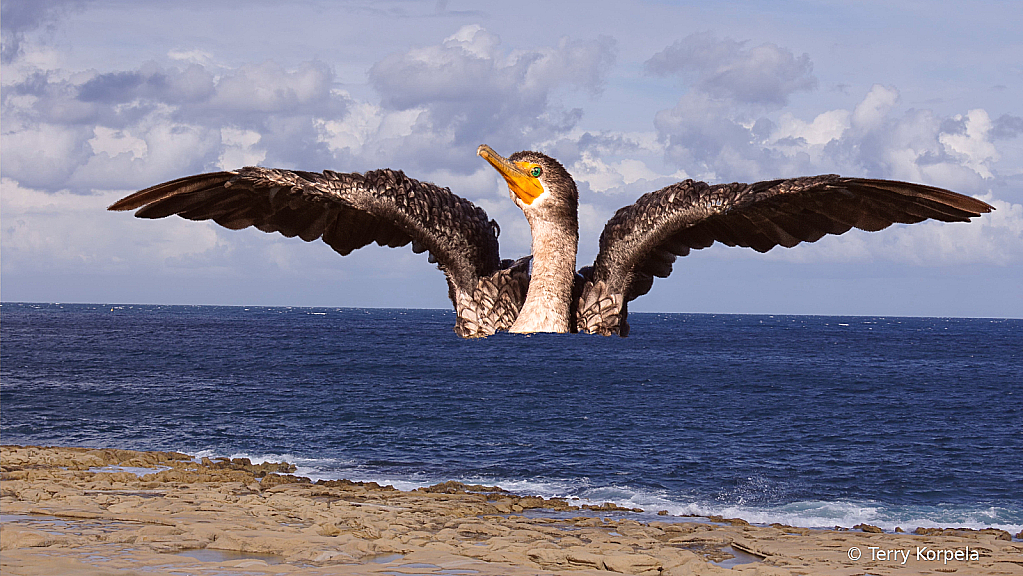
104,97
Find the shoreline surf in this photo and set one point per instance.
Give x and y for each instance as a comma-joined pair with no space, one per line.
91,511
815,514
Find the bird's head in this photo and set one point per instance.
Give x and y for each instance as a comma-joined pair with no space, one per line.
538,184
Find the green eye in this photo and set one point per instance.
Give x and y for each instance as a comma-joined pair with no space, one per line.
535,172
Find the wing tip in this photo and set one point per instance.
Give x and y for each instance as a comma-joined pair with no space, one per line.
984,208
971,205
177,186
124,204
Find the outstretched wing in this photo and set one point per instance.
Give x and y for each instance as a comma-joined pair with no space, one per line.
641,241
348,211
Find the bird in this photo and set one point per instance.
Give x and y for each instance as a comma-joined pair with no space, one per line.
543,291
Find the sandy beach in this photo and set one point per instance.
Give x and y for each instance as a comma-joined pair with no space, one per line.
89,512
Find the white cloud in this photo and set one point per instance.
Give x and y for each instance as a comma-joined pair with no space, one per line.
360,126
45,155
972,146
871,112
602,176
65,231
766,74
369,134
22,17
598,174
267,88
467,90
723,142
200,57
708,138
130,129
825,127
473,39
168,146
239,149
113,142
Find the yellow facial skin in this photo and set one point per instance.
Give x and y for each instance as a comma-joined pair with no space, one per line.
519,175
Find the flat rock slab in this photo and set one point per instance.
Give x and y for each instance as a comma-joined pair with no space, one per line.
88,512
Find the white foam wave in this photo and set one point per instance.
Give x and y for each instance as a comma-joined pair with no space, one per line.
312,468
807,514
826,514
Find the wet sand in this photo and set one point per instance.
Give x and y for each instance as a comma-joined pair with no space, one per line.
89,512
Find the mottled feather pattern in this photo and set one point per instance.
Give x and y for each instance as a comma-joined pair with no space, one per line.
495,303
600,311
641,241
348,211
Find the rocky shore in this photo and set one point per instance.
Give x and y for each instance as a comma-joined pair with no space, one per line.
118,512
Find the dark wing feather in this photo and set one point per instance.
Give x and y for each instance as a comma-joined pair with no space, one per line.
640,241
348,211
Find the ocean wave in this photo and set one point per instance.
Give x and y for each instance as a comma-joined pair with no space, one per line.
581,491
312,468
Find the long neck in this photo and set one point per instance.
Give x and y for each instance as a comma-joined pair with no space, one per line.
549,298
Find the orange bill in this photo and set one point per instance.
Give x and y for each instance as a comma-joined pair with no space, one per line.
517,174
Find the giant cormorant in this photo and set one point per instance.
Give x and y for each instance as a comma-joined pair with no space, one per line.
546,294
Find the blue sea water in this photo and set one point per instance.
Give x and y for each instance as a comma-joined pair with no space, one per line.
806,420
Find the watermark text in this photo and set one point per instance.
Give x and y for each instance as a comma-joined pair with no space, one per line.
921,554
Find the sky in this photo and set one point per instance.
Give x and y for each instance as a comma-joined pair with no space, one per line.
104,97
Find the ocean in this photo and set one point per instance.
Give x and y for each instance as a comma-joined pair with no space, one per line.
812,421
